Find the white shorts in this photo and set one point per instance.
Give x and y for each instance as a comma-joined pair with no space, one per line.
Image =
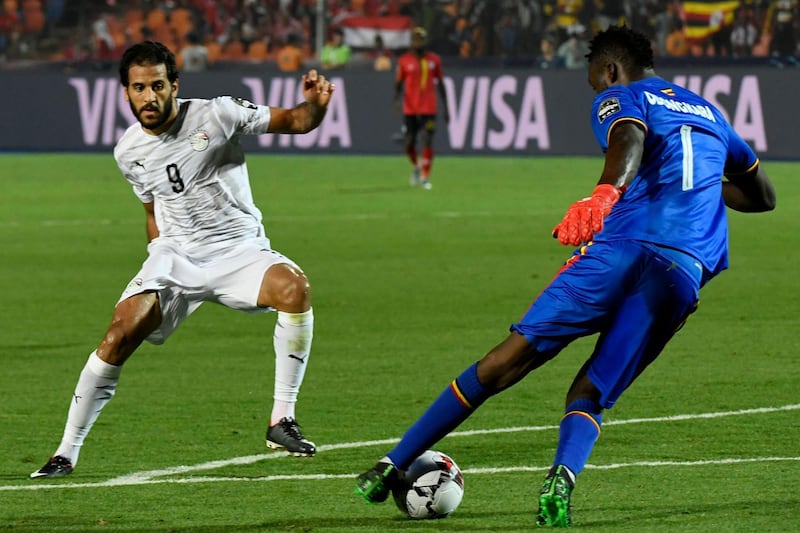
227,275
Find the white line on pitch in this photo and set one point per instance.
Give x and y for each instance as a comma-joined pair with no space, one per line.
322,477
147,477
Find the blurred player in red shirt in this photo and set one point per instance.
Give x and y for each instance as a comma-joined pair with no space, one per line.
419,77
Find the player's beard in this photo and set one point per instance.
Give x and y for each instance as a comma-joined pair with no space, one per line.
159,120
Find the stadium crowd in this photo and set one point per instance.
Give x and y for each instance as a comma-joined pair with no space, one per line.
538,33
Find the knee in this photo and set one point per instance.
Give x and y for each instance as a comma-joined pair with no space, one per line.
296,294
491,371
116,345
583,389
288,289
134,319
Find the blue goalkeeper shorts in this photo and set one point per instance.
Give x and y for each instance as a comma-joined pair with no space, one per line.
634,294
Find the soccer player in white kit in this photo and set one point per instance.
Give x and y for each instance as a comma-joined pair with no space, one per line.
206,239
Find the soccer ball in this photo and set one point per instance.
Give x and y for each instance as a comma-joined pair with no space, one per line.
432,487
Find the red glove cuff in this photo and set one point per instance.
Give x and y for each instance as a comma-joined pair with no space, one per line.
608,193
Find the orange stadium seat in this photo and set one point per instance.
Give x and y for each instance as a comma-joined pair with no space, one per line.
214,51
155,19
115,25
134,17
181,22
33,20
233,51
180,17
134,32
182,29
358,6
162,33
258,51
120,38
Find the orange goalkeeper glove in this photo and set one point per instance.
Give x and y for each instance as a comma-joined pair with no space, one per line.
585,217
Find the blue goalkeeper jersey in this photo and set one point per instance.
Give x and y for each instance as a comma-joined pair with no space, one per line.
675,200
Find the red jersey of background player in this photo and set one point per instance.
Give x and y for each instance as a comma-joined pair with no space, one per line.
419,76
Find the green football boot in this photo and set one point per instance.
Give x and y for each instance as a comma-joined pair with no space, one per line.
554,506
374,484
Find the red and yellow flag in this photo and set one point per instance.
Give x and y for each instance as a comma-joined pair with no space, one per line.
706,17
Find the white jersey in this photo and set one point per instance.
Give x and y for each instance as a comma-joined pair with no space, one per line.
195,172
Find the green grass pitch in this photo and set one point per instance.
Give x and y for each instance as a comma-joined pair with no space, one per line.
410,287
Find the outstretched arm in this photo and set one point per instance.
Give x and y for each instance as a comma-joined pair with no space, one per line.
306,116
751,192
585,217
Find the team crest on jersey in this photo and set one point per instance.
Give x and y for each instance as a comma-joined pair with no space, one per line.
244,103
198,140
607,108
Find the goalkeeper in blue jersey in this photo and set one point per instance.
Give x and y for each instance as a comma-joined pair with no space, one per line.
652,233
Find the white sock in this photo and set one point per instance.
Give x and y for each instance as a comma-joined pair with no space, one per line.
96,386
292,342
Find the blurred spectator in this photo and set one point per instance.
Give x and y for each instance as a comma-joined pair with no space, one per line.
53,12
481,18
208,14
784,30
567,12
609,13
381,57
103,44
573,51
744,34
547,58
8,24
459,41
663,25
193,56
471,29
248,27
507,34
530,19
676,43
338,10
285,28
640,15
290,56
335,54
721,39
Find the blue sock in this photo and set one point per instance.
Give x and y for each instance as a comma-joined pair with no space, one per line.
454,405
579,430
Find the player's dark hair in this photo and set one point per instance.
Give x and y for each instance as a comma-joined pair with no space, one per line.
147,53
620,43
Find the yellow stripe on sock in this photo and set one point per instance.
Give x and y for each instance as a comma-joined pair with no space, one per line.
587,415
460,395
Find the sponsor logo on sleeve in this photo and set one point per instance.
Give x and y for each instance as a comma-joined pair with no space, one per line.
244,103
607,108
